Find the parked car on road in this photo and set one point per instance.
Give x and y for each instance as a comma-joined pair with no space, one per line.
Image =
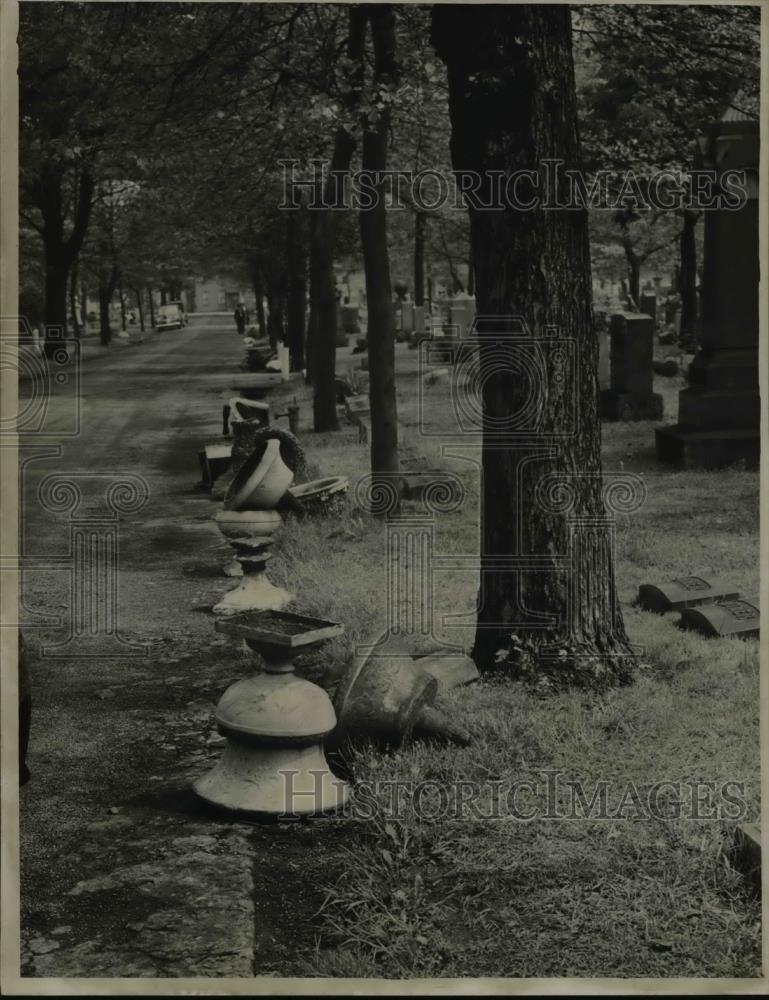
171,316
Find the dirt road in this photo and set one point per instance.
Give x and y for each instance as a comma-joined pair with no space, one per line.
123,874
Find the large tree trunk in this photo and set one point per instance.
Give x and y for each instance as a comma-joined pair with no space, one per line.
107,285
470,273
312,320
547,592
140,307
296,253
688,279
376,262
152,308
257,280
276,312
324,311
55,301
60,251
73,299
420,226
323,244
121,298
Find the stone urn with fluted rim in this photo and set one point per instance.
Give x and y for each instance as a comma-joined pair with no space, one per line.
261,481
249,523
321,496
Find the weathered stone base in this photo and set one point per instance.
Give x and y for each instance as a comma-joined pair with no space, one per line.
707,449
630,406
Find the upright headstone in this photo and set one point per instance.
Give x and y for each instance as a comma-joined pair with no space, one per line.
604,365
349,316
462,313
719,411
407,318
631,395
648,305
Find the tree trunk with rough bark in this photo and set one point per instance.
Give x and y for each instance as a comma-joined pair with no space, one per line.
60,251
107,285
140,307
257,281
547,602
323,245
73,278
296,253
376,262
420,227
688,279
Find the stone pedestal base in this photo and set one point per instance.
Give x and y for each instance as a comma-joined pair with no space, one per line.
630,406
690,448
254,593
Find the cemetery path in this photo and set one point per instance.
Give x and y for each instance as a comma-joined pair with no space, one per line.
122,873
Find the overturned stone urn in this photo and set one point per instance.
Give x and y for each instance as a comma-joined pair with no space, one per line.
249,523
261,480
388,699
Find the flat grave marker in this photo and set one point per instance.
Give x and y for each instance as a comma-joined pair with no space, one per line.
684,592
740,617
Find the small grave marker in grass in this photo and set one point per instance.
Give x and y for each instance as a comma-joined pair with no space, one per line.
684,592
738,617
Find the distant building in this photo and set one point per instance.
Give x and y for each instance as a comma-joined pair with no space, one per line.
220,294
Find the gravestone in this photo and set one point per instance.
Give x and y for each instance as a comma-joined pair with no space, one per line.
462,313
359,414
648,305
631,395
349,317
685,592
407,318
604,365
719,411
416,483
739,617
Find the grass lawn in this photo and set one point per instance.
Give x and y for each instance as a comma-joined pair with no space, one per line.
436,892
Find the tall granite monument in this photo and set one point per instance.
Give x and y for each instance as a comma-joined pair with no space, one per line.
719,411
